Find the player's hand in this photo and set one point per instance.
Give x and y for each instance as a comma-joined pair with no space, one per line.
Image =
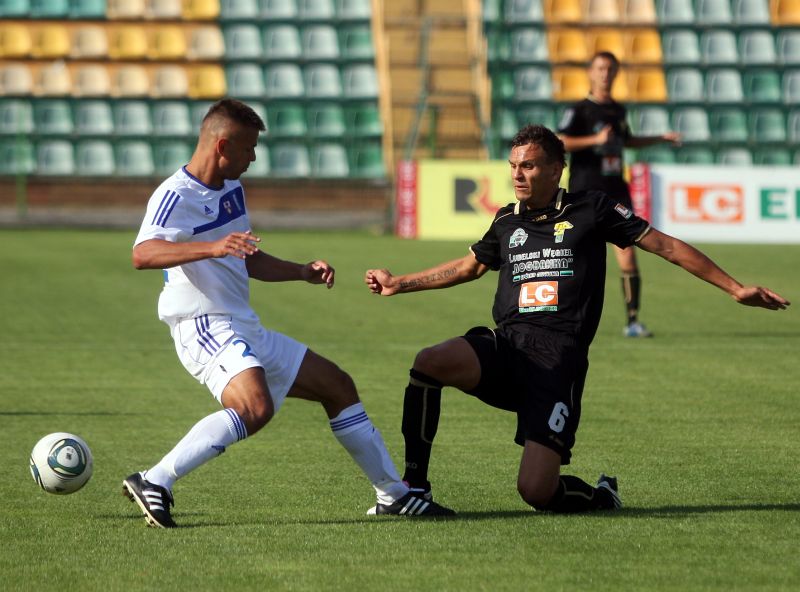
318,272
673,138
604,136
236,244
758,296
380,281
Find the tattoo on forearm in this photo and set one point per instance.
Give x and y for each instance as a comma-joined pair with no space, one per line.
445,274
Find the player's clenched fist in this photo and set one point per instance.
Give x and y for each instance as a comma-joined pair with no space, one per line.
380,281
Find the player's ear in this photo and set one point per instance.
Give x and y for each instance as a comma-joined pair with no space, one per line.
221,145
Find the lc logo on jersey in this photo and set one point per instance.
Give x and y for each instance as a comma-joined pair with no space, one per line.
518,238
720,204
538,296
559,229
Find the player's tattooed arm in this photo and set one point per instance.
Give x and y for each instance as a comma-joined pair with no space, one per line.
383,282
427,280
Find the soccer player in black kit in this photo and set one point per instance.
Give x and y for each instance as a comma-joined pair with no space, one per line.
549,248
595,132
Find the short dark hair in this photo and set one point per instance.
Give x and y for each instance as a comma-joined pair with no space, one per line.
605,55
236,111
544,138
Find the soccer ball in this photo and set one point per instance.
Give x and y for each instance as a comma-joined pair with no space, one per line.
61,463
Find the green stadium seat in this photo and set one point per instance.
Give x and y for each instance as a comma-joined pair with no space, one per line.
791,87
675,12
134,158
238,10
260,167
282,42
171,155
284,81
355,43
322,81
796,159
290,160
793,126
364,121
685,85
750,12
359,81
523,12
772,157
718,48
681,47
724,85
286,121
504,123
695,155
767,125
316,10
542,114
528,45
713,12
243,42
762,86
532,83
16,156
329,160
94,158
649,120
16,116
93,117
87,9
49,9
198,110
757,48
734,157
171,118
729,124
498,46
55,157
245,80
788,46
502,86
132,118
353,10
320,42
366,161
53,116
15,8
659,154
275,10
692,124
326,120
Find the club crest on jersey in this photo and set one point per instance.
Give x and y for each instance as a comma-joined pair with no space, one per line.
228,207
623,211
559,229
208,210
518,238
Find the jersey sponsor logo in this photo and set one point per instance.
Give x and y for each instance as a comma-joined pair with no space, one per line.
623,211
518,238
718,204
538,296
559,229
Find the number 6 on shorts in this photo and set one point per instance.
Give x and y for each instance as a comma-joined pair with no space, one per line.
558,418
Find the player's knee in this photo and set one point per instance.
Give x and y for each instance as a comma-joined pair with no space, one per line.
535,494
255,411
431,362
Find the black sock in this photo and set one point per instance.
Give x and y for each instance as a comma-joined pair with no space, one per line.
631,292
576,495
421,406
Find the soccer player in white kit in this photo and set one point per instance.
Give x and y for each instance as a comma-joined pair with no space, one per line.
196,229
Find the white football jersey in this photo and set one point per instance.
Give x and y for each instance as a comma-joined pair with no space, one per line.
182,209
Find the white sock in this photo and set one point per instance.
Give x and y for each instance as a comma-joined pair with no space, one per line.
206,440
363,441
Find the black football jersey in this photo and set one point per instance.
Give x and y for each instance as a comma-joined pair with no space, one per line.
552,262
598,167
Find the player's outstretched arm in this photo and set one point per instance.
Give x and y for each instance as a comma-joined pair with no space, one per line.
458,271
162,254
678,252
267,268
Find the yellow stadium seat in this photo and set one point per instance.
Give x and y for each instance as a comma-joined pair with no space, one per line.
570,83
127,42
785,12
53,79
648,85
207,82
89,41
50,42
601,11
170,82
167,42
562,11
131,80
643,46
90,80
200,10
607,40
567,45
205,43
15,79
15,41
125,9
639,12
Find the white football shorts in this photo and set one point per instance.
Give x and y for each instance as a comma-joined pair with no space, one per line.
215,348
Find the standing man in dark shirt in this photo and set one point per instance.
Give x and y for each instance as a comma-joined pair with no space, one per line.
549,248
595,132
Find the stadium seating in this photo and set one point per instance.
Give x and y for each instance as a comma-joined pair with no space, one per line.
49,9
695,155
523,12
750,12
366,161
713,12
692,123
134,158
93,117
685,85
681,47
15,8
163,9
326,120
245,80
15,41
757,48
762,86
675,12
87,9
785,12
363,121
724,85
290,160
601,11
563,12
132,118
793,127
772,157
316,10
55,157
360,81
329,160
320,42
89,42
643,46
260,167
791,87
528,45
638,12
736,156
649,120
170,155
206,43
94,158
53,116
282,42
16,156
788,47
16,116
542,114
171,118
718,48
91,80
532,83
53,79
767,125
243,42
353,10
729,124
356,43
286,121
272,10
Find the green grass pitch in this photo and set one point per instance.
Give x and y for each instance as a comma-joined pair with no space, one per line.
700,424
